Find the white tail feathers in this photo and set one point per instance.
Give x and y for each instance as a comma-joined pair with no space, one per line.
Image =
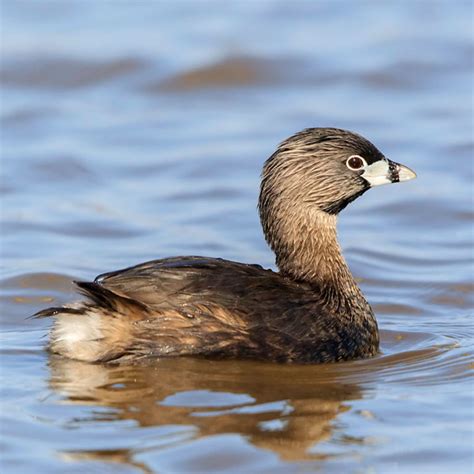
91,334
78,336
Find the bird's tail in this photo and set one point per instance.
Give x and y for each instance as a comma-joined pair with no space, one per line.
97,330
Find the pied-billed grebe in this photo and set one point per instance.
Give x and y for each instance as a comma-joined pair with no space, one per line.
311,311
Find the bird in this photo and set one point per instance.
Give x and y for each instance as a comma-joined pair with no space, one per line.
309,311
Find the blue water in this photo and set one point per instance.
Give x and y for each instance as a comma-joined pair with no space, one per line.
133,131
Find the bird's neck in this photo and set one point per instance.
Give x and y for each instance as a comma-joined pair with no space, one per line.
307,250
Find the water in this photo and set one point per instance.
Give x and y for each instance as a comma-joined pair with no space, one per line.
137,131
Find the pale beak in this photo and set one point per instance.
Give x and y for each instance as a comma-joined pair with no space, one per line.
386,172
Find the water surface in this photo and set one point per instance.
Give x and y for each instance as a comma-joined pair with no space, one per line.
139,131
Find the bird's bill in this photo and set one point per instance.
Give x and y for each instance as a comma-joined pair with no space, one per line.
386,172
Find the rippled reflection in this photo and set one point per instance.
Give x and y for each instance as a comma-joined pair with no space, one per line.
282,409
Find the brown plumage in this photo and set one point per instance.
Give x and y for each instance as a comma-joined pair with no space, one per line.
311,311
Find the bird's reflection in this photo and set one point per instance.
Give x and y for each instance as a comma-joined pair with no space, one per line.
285,409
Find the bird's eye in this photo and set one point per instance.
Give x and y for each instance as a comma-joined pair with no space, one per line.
355,162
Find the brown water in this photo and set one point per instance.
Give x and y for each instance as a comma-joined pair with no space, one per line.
138,131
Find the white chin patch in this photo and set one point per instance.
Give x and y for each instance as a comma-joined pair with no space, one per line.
377,173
